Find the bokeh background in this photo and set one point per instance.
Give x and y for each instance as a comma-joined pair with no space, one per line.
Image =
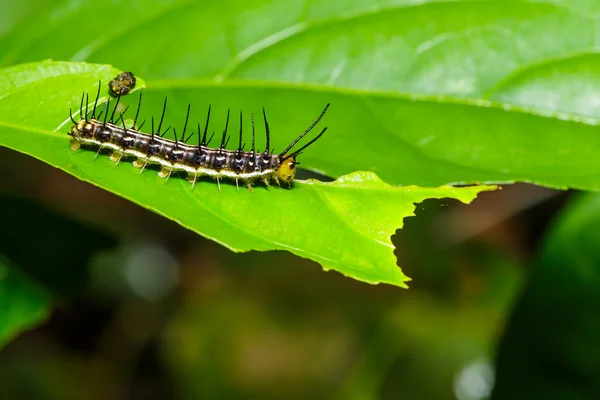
504,297
167,314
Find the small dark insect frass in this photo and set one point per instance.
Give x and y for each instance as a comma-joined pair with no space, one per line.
104,131
122,84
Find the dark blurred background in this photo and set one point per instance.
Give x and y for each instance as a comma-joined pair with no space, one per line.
167,314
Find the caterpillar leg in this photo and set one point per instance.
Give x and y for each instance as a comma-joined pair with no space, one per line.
237,186
165,172
116,157
140,164
75,144
266,181
219,183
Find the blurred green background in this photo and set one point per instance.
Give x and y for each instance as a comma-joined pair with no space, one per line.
166,314
505,292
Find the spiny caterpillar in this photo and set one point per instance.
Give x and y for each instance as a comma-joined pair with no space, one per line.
102,131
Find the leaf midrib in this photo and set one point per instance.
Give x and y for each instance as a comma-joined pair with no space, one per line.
44,132
202,83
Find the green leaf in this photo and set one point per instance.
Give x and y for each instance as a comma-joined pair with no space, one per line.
23,304
345,225
551,348
430,92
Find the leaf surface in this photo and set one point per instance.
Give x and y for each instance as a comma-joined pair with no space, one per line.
423,92
344,225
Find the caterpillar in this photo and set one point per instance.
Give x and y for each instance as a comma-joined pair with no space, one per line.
102,131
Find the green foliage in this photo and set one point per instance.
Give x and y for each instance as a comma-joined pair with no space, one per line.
430,93
312,220
423,93
555,326
402,108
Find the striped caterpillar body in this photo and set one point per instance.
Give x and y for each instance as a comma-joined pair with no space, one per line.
102,131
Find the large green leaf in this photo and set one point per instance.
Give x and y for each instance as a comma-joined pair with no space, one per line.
345,225
22,302
424,92
551,349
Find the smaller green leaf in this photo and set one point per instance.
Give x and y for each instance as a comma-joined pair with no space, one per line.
22,303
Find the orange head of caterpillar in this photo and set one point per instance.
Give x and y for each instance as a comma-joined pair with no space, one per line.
287,170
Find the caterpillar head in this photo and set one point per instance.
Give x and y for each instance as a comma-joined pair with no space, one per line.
287,170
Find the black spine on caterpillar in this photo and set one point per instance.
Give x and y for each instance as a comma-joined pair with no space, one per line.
102,131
